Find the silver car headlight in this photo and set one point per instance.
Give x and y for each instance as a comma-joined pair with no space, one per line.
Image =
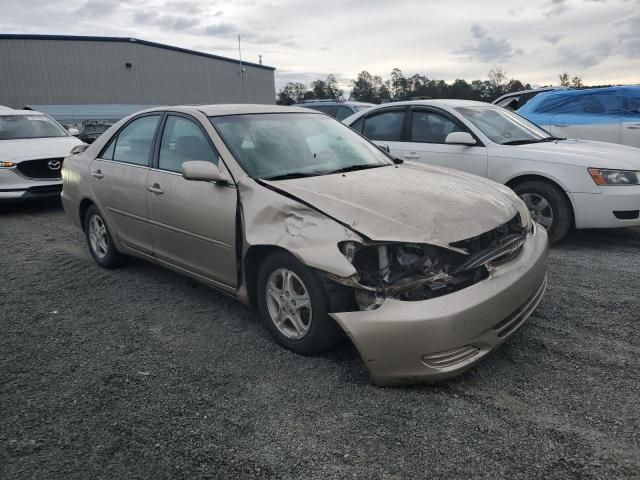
608,176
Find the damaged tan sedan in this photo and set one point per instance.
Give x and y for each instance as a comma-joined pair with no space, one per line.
426,269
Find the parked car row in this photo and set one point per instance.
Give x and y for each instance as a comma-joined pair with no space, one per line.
419,228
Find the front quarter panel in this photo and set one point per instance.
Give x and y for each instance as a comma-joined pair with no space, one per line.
504,167
273,219
75,185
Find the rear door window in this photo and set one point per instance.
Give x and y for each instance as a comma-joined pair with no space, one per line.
135,141
385,126
343,112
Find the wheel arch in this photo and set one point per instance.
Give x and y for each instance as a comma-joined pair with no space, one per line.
251,263
82,210
534,177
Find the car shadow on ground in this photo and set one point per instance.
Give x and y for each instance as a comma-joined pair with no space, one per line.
600,239
31,206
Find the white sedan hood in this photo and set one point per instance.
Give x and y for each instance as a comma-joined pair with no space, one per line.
33,148
408,203
582,153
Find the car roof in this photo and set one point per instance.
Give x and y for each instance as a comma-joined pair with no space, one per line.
532,90
6,111
440,102
230,109
332,102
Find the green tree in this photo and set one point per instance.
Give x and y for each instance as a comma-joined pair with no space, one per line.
291,93
576,82
368,88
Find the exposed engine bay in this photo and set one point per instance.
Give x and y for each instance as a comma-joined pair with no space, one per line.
413,272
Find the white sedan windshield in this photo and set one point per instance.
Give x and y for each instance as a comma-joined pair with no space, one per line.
503,126
13,127
287,145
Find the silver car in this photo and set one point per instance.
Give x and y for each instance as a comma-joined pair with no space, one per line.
32,149
426,269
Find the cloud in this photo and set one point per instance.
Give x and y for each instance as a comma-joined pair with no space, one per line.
555,8
184,7
553,39
629,40
478,31
222,28
97,8
584,56
487,48
170,22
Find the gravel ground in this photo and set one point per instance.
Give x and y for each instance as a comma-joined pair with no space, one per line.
141,373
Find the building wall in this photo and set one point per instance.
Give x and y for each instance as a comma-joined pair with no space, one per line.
88,71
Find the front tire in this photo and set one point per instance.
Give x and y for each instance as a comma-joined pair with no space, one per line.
99,240
548,206
294,306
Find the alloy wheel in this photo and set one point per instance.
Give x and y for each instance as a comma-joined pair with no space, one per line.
289,303
540,208
98,236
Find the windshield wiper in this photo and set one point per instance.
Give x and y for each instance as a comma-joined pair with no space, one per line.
526,142
287,176
353,168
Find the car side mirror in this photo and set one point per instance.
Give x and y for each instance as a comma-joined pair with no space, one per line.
384,147
202,171
78,149
73,131
460,138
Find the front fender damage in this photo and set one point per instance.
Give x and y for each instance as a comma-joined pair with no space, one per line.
272,219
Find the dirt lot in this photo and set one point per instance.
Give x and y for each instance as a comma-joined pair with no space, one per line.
141,373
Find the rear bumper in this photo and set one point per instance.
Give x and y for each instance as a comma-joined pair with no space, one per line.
596,210
411,342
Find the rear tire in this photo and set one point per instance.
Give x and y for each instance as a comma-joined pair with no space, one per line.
99,240
548,206
294,306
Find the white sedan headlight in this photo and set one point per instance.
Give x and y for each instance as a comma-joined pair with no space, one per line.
605,176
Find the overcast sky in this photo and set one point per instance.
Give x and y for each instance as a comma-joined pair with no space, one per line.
533,40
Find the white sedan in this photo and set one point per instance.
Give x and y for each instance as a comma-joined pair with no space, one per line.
564,182
32,149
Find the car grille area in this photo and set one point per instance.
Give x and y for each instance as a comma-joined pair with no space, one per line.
43,168
450,358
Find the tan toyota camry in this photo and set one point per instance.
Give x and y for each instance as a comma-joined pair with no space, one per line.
426,269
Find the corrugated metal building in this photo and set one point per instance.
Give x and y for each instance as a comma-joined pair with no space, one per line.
60,69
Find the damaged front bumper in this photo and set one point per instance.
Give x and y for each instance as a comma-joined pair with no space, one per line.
430,340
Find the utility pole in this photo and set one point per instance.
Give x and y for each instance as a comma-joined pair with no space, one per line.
241,67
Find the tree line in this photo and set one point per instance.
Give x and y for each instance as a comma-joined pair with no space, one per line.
372,88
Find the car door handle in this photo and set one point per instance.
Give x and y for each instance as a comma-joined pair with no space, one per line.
561,125
97,173
635,126
155,188
411,156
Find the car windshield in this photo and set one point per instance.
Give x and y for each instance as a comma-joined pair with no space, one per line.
13,127
503,126
290,145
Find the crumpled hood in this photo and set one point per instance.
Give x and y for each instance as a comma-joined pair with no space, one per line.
584,153
32,148
408,203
